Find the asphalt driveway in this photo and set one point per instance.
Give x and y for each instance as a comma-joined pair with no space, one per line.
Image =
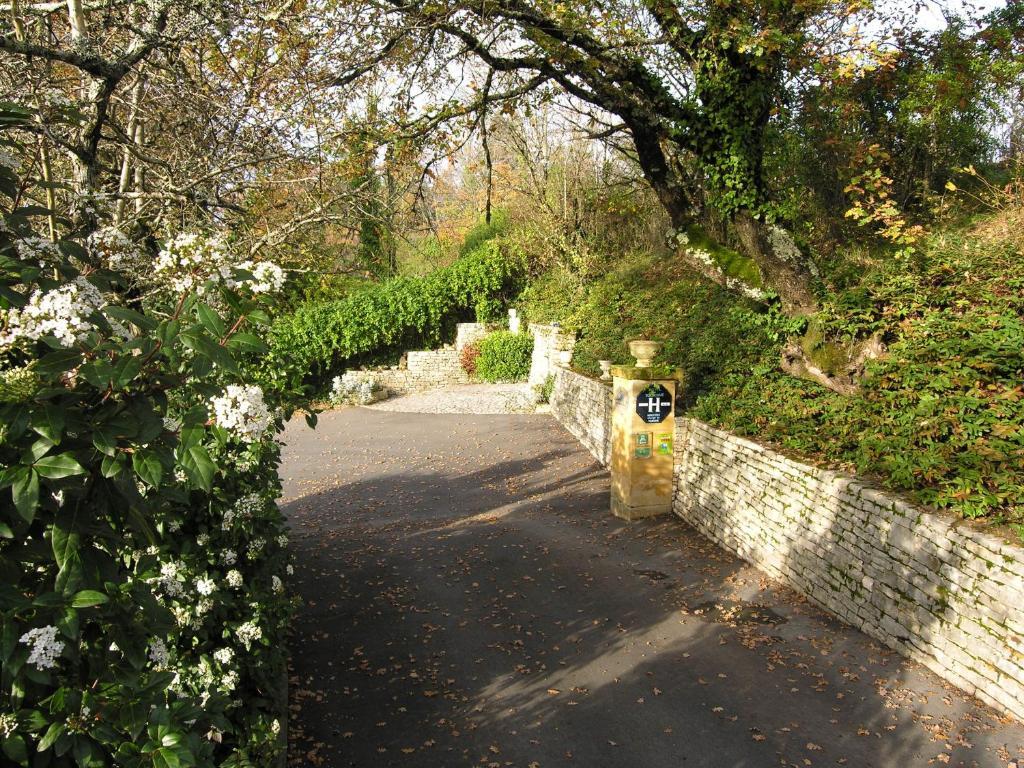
468,600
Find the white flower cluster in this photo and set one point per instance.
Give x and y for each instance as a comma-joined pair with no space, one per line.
40,250
223,655
115,248
44,646
276,584
241,411
171,577
190,259
229,557
233,578
256,548
62,313
267,277
248,633
205,586
158,654
8,724
245,508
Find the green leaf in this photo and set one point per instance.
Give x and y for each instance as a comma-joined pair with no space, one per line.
87,598
66,547
103,441
126,369
247,342
126,315
61,465
112,466
14,749
211,320
65,543
58,362
147,466
49,422
25,492
55,731
197,465
165,758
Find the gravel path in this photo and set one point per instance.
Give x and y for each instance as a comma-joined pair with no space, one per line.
468,600
480,399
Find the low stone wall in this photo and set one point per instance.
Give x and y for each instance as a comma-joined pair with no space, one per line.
426,369
936,590
584,407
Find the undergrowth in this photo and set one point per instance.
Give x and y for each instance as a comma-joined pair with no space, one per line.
940,417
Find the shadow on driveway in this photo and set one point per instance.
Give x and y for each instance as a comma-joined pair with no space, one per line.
467,600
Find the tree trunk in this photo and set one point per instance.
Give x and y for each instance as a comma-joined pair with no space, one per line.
785,273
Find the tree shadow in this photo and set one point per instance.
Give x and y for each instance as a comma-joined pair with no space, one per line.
490,611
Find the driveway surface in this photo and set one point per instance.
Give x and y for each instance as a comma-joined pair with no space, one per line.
468,600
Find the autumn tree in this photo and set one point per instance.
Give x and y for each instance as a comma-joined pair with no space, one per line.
690,83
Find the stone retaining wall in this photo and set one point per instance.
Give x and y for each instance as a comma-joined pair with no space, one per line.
584,407
427,369
938,591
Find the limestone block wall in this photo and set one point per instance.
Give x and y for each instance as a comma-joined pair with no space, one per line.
467,333
426,369
931,587
584,407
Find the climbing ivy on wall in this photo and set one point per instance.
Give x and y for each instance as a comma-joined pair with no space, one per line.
322,337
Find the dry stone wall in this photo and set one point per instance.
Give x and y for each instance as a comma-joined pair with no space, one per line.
584,407
933,588
427,369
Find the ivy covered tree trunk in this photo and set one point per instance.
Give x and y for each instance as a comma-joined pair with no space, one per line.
699,95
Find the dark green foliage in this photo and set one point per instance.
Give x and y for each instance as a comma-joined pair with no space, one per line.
942,416
403,313
483,232
703,326
504,356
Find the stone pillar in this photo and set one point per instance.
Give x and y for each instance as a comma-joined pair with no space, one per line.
548,342
643,426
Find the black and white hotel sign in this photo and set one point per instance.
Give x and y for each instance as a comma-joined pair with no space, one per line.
654,404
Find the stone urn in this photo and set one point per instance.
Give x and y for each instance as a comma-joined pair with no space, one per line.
564,357
606,369
644,351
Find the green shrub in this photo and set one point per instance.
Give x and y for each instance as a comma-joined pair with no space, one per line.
504,356
701,324
403,313
545,389
142,554
942,415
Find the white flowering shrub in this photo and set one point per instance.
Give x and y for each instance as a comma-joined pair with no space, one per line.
195,261
362,391
143,558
